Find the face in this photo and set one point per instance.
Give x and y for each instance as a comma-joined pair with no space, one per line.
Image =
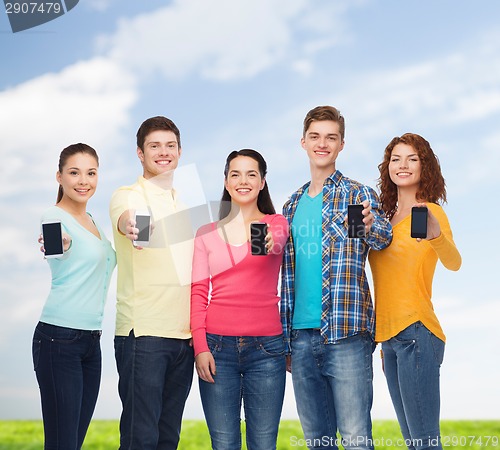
404,166
323,143
78,177
161,153
243,181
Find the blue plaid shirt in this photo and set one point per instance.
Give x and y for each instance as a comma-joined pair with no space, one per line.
346,304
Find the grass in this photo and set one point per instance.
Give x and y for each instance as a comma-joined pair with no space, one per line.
103,435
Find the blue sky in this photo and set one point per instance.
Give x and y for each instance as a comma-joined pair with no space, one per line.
238,74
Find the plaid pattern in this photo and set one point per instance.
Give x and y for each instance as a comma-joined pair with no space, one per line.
347,307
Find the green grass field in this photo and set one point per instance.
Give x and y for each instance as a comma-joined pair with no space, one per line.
103,435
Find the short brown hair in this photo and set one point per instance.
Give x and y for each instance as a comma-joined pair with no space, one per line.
325,113
153,124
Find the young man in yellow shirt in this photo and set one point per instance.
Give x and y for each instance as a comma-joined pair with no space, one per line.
152,340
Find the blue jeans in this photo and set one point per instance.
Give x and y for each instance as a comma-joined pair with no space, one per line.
412,361
155,376
248,369
67,364
333,385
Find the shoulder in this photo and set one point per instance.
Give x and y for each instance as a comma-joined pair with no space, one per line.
296,195
275,219
437,210
360,190
205,229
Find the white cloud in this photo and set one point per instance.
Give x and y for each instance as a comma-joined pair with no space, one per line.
87,101
223,39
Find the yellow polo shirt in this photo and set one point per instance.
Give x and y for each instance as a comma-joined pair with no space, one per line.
154,284
402,277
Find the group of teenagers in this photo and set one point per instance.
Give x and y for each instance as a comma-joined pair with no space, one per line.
209,303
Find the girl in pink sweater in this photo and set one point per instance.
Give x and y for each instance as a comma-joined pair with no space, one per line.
235,321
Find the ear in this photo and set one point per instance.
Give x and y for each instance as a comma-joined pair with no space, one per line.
303,143
140,154
58,177
180,151
263,184
342,146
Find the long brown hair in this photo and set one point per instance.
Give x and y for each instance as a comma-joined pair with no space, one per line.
69,152
264,202
432,186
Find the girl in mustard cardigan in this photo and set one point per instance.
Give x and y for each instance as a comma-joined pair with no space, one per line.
406,324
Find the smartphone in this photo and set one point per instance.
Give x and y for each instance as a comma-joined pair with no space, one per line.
143,222
355,224
52,238
258,232
419,222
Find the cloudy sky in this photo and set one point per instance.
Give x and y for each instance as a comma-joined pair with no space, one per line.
243,73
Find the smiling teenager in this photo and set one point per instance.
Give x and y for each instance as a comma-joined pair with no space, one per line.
237,334
326,308
66,343
153,355
412,339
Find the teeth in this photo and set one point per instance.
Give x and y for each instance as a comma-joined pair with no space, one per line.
404,174
163,163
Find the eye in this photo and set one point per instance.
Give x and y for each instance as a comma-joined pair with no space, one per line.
73,172
92,173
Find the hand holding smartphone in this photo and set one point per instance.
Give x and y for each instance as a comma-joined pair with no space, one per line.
52,238
143,223
419,222
258,232
355,224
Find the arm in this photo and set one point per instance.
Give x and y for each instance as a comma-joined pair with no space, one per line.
379,229
204,360
440,237
277,235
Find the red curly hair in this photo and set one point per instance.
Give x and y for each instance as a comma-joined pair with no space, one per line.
432,186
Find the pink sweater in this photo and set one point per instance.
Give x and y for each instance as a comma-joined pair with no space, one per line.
243,300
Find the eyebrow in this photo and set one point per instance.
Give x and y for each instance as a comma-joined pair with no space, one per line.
412,154
77,168
158,142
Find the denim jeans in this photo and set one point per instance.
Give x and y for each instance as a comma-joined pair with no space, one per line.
67,364
412,360
248,369
155,376
333,385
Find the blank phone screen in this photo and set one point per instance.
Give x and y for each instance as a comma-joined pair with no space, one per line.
52,239
143,222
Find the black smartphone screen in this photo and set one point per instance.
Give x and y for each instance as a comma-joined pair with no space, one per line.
258,232
52,239
355,225
143,224
419,222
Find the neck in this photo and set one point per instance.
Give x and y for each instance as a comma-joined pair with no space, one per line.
73,208
318,177
164,180
407,197
245,213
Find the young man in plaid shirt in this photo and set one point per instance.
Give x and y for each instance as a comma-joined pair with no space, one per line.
326,308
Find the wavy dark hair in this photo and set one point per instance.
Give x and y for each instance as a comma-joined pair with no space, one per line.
432,185
67,153
264,202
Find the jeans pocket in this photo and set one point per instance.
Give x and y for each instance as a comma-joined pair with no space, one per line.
36,350
438,347
214,344
274,346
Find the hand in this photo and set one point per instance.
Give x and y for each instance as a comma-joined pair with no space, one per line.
205,366
66,238
368,218
269,242
433,227
289,363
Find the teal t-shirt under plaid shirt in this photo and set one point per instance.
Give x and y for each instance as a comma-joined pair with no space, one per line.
346,304
307,234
